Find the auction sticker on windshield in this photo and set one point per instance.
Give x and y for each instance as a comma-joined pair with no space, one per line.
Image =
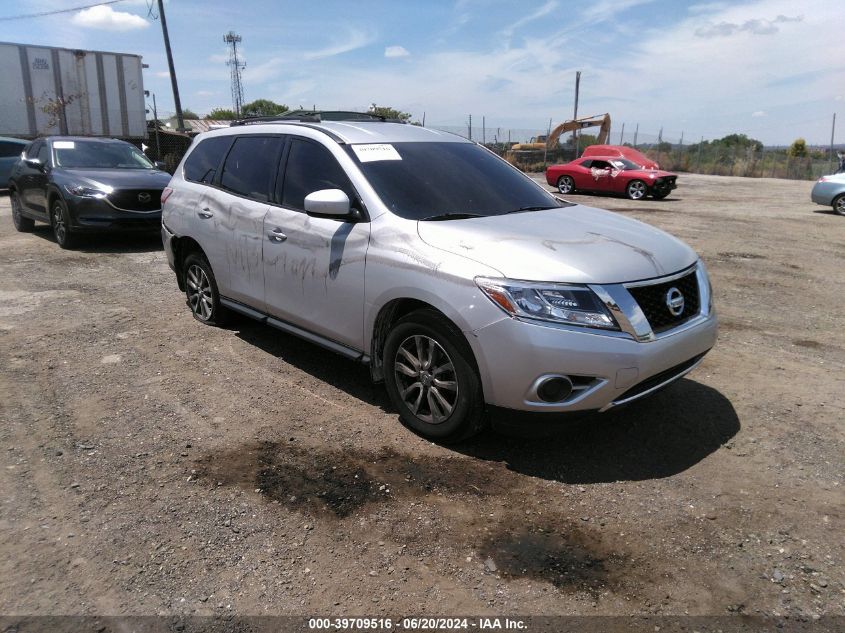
376,151
63,145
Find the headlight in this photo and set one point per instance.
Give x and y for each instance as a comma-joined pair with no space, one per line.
87,192
558,303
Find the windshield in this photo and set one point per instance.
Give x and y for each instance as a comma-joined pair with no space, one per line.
99,155
421,181
624,163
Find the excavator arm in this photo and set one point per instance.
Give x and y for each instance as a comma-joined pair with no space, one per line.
602,121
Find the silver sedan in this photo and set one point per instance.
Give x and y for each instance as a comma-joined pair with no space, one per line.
830,191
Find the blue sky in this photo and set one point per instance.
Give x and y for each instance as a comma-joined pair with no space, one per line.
772,69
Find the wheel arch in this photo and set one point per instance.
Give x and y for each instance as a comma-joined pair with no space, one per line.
182,247
389,314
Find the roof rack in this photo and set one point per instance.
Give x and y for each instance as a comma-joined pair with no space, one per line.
316,116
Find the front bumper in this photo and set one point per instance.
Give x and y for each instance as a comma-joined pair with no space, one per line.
606,369
93,215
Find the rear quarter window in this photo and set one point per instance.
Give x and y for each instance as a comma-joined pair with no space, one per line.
10,150
202,163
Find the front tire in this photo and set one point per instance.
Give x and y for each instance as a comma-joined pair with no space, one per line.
839,204
565,184
636,190
22,223
431,378
60,221
201,292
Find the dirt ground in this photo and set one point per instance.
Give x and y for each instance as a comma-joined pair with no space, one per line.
152,465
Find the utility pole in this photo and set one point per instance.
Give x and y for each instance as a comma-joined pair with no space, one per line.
483,130
622,134
546,148
698,164
423,122
235,67
155,118
469,127
176,102
575,115
636,131
832,130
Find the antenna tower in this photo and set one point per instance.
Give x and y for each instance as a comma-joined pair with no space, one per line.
235,67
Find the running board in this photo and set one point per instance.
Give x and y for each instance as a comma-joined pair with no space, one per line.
284,326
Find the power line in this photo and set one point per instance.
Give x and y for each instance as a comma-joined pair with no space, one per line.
46,13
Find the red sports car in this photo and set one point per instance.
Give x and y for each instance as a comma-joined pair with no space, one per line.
611,175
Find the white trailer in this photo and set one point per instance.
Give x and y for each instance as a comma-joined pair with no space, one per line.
48,90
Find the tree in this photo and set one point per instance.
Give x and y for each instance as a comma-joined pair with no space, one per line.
189,114
389,113
263,107
798,149
221,114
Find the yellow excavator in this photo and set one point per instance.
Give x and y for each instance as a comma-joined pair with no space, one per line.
552,141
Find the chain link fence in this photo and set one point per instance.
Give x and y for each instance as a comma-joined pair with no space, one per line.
520,147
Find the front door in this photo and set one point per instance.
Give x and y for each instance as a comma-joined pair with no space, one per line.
314,267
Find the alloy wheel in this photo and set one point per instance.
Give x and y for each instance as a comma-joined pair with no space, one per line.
426,378
564,185
59,226
636,190
839,205
200,297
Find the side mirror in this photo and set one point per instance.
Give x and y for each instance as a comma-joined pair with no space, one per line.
34,163
327,202
160,164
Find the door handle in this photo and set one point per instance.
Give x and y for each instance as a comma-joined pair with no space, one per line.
205,213
276,235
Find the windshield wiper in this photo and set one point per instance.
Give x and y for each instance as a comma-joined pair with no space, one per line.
452,216
523,209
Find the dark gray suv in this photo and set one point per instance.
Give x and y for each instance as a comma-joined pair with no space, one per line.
84,185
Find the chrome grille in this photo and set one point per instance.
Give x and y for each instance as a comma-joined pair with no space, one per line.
652,300
136,199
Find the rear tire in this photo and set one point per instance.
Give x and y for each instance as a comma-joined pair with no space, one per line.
60,221
636,190
565,184
839,204
431,378
22,223
201,292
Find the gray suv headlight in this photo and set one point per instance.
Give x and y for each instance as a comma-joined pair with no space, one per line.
84,191
558,303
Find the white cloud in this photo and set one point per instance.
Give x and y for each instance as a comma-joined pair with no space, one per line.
164,74
104,17
205,93
396,51
758,113
755,26
356,38
546,9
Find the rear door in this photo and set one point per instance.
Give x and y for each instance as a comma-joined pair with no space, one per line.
314,267
199,211
247,180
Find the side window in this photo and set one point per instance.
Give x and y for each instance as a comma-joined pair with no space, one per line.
311,167
203,161
250,165
586,163
44,154
9,150
32,149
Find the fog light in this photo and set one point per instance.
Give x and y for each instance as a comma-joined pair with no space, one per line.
555,389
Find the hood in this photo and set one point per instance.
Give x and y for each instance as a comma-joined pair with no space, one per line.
574,244
115,178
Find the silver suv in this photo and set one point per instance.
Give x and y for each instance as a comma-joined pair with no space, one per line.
464,285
